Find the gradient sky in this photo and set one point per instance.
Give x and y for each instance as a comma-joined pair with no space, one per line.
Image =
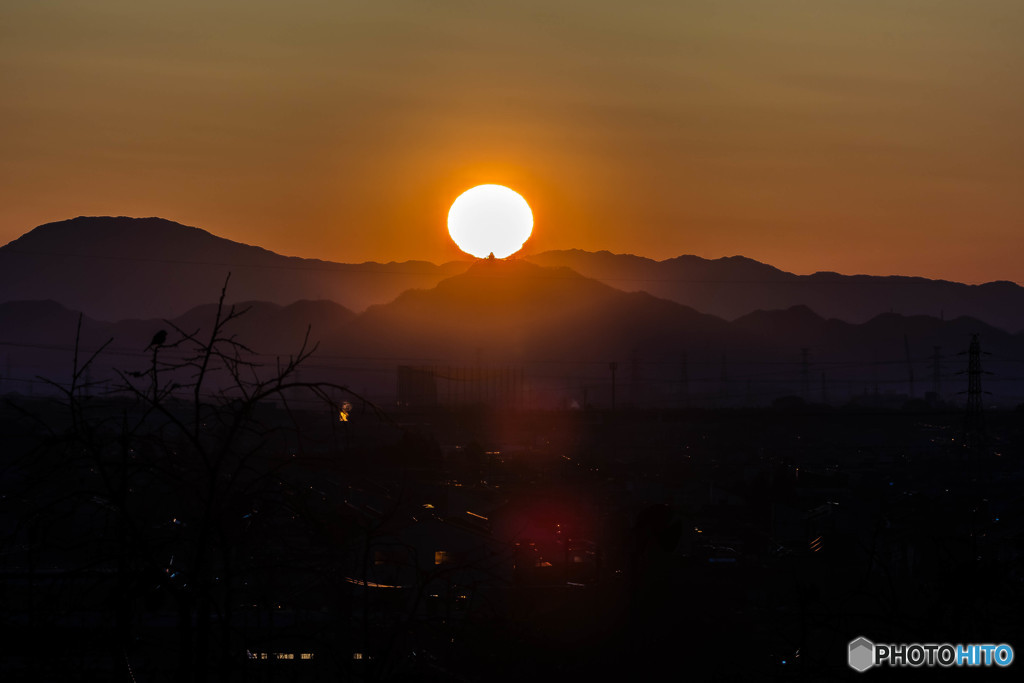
861,136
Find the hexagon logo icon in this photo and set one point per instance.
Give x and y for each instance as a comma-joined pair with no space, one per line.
862,654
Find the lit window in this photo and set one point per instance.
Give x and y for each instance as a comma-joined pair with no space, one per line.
357,655
440,556
306,655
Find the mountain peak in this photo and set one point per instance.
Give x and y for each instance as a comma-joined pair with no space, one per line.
117,267
495,267
516,282
127,237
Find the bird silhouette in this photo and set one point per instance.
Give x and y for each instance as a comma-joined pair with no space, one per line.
158,340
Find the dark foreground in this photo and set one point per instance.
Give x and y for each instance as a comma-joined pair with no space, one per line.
249,541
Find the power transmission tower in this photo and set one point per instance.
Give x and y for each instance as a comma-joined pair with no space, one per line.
613,367
724,380
634,379
684,381
910,366
805,373
974,420
936,370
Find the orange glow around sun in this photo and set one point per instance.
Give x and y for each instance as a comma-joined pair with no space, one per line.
490,219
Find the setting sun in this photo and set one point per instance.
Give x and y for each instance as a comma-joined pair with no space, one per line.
490,219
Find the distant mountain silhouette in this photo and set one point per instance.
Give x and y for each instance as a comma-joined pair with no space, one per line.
518,309
880,339
563,330
555,320
117,267
734,286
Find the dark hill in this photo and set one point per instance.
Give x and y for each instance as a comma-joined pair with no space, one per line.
515,309
732,287
561,330
115,268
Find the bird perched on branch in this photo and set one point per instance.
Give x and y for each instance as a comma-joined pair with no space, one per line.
158,340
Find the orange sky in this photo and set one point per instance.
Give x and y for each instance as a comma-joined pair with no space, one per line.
861,136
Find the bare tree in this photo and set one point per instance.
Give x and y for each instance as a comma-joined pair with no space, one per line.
180,487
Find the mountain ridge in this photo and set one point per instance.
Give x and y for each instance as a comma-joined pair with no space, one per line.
86,262
561,329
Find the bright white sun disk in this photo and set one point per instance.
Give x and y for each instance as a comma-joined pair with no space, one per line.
490,219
